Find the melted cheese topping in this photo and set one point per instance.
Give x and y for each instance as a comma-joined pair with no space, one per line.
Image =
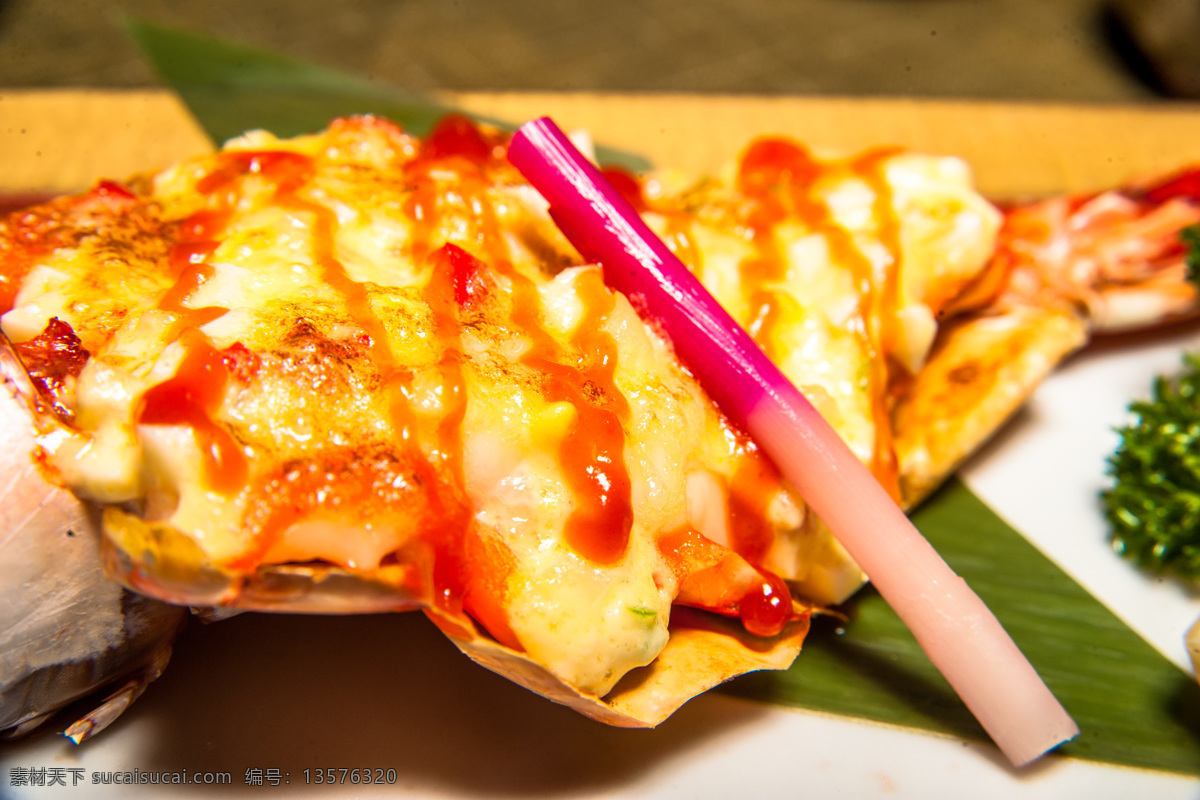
365,350
838,268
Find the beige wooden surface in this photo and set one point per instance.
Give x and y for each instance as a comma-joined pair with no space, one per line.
998,49
66,139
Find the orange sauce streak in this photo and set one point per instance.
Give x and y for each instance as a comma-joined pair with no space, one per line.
883,313
478,570
778,176
446,544
190,398
472,566
454,272
466,574
716,579
196,239
592,455
358,305
195,392
453,569
191,278
754,485
28,234
286,171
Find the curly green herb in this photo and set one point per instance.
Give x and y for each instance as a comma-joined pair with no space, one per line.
1153,505
1190,237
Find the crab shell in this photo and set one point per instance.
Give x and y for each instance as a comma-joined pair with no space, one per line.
703,651
981,371
66,631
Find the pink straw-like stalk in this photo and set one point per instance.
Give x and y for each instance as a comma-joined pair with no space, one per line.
955,629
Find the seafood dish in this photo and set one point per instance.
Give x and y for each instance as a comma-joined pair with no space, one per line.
360,371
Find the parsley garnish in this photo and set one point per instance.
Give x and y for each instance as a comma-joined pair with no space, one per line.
1153,505
1190,236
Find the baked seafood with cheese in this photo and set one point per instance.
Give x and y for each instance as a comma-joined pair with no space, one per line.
358,371
361,372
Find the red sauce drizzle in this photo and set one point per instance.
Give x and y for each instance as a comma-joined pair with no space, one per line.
196,239
190,398
714,578
467,570
196,391
592,455
593,452
882,315
777,174
627,185
755,484
474,574
456,136
455,281
286,171
470,567
190,279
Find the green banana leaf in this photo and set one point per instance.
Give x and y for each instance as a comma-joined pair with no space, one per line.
232,88
1134,706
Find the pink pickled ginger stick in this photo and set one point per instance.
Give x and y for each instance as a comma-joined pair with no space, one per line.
956,630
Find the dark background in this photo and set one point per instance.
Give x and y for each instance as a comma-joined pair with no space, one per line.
1065,50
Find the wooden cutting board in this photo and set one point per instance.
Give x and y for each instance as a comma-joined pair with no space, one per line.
66,139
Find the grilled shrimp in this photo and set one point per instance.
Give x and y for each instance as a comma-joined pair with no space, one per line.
66,631
1117,256
1064,268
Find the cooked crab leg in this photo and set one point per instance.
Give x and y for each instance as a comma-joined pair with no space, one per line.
65,630
116,703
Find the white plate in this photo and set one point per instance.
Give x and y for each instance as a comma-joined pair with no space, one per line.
390,693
